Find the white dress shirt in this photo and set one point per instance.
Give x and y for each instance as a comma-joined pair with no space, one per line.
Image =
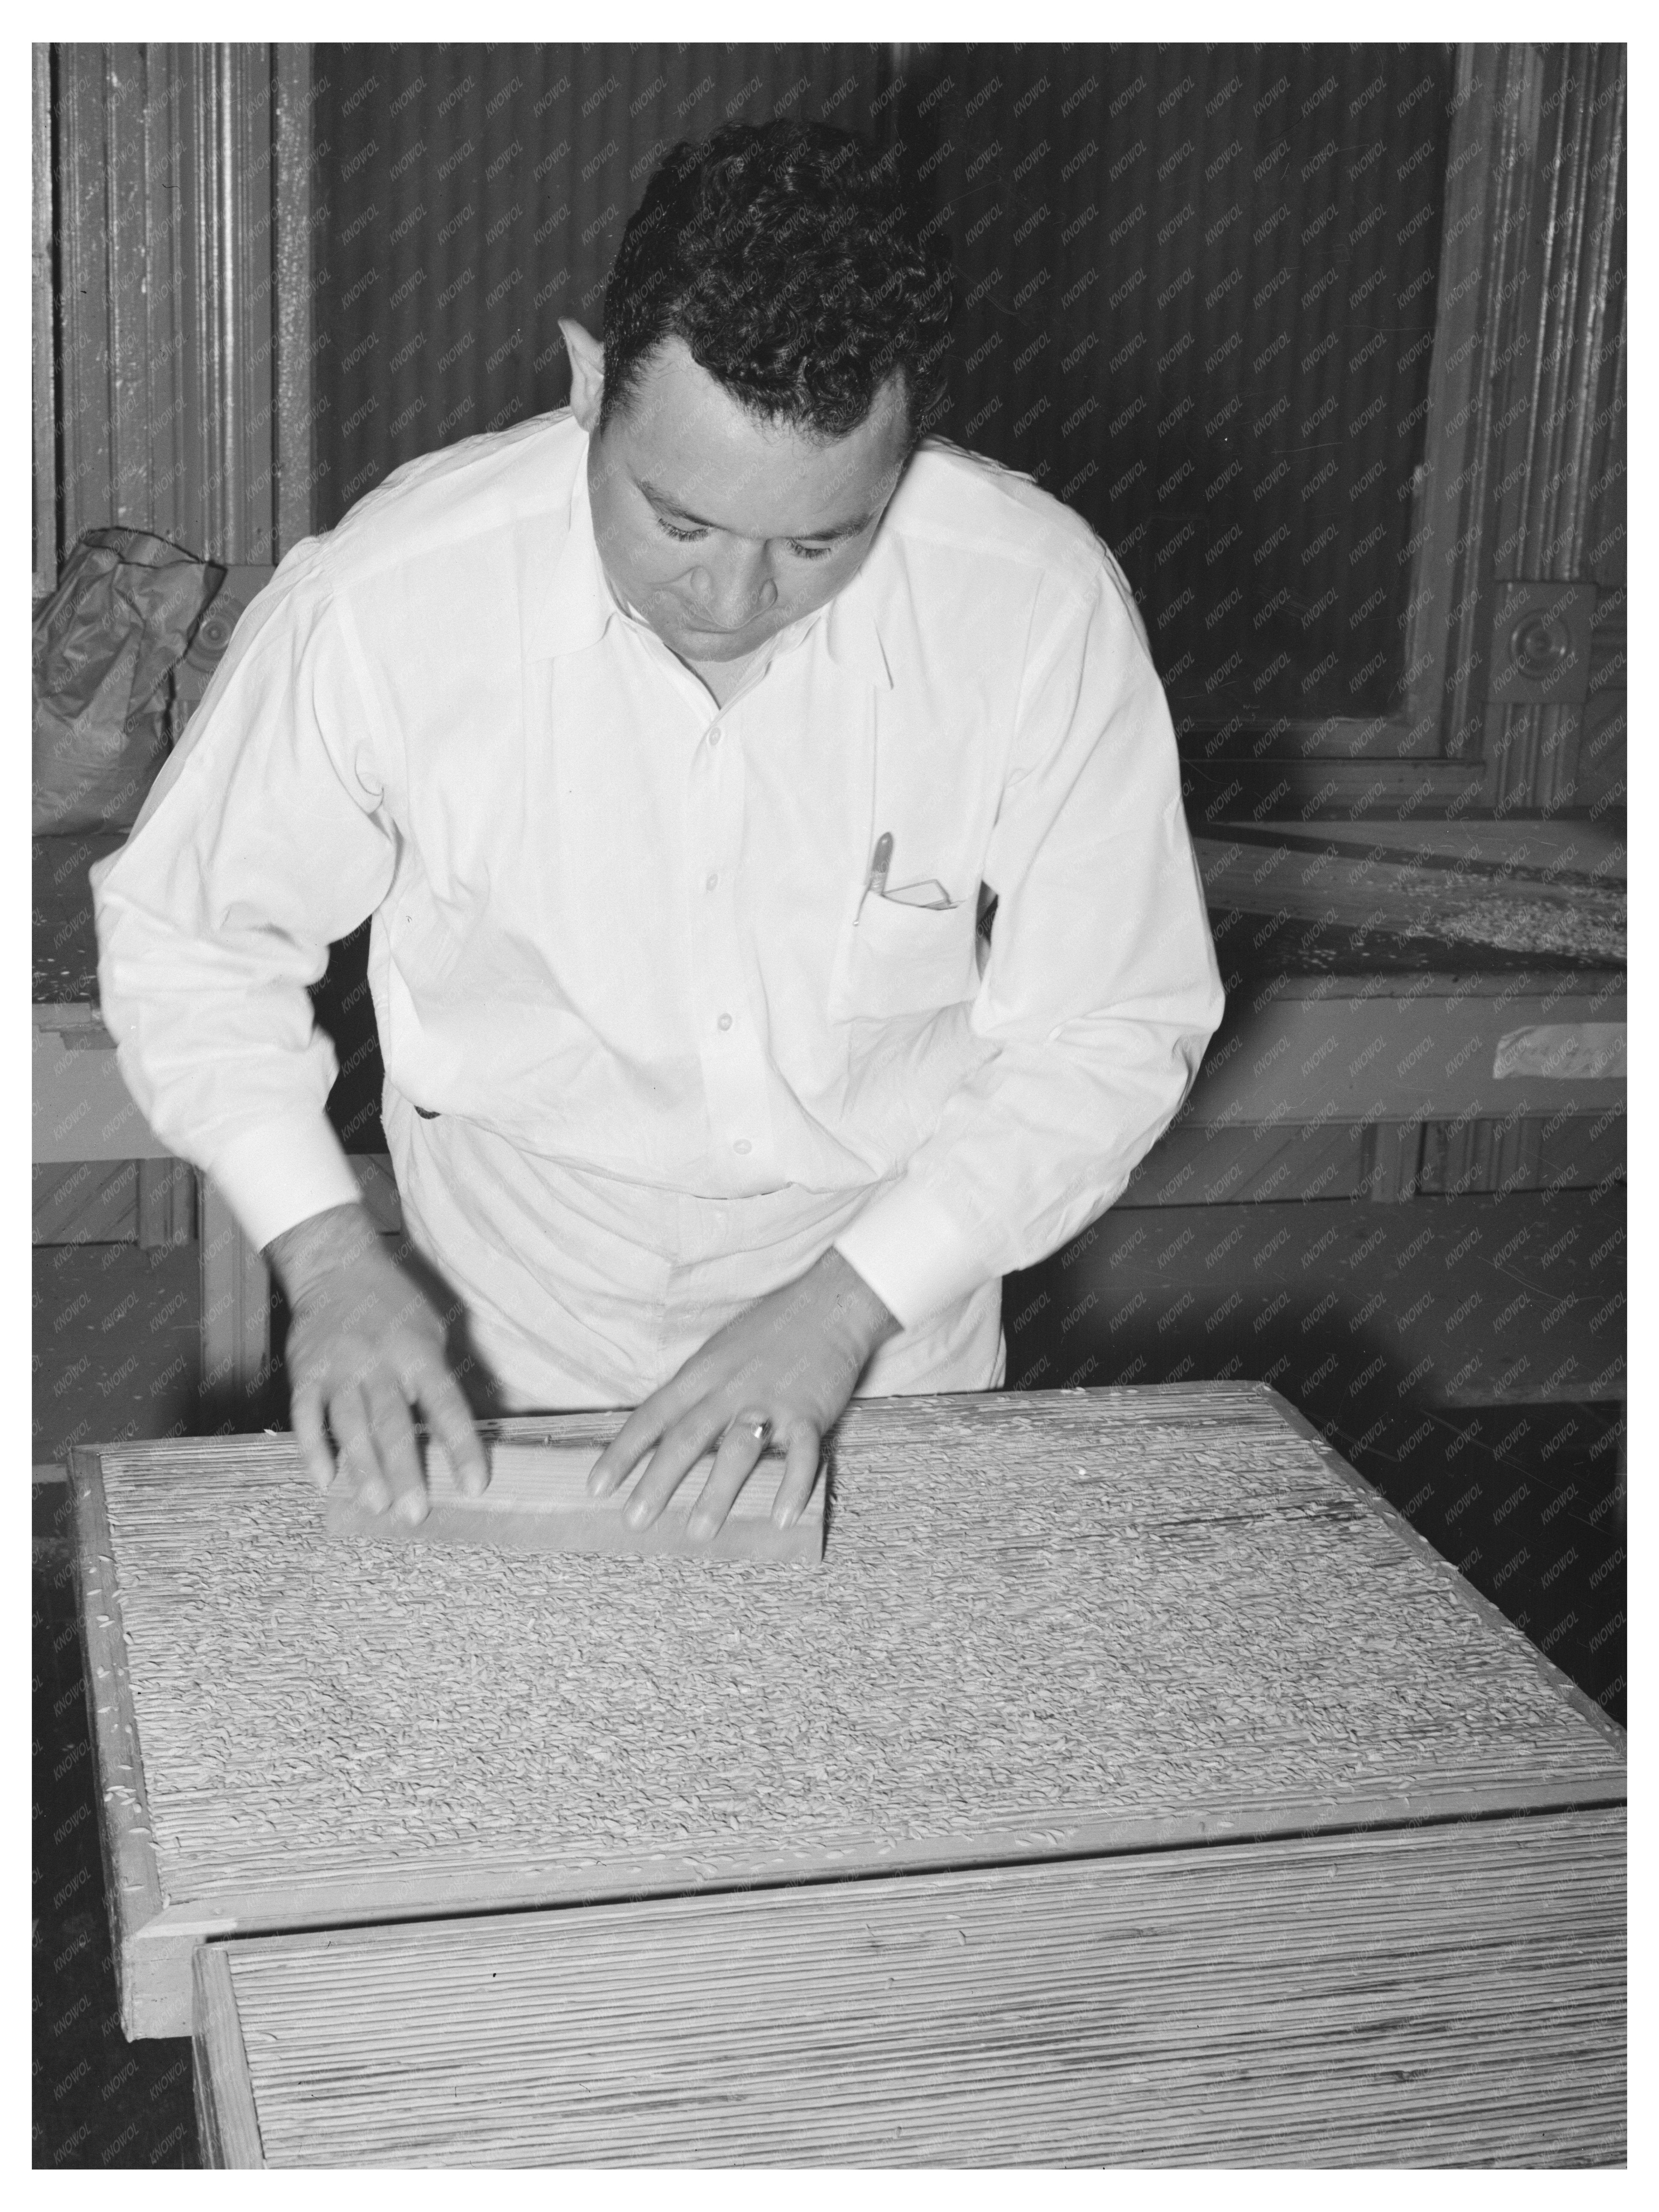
625,948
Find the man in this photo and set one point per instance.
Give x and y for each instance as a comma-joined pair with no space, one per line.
677,746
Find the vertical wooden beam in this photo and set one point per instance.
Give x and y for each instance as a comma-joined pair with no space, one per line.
228,102
44,326
171,511
86,488
1443,608
1392,1161
1528,345
1492,151
1560,358
167,1204
293,443
132,396
166,292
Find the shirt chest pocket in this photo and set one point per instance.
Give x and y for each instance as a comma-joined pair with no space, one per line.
899,959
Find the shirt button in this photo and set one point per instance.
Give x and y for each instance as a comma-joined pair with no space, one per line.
714,737
743,1145
709,883
726,1021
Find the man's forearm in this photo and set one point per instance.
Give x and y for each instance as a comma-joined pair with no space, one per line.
867,1321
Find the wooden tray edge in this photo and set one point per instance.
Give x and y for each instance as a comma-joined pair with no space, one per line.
1491,1616
132,1883
226,2107
272,1910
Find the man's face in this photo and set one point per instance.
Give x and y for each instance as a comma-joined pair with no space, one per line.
719,529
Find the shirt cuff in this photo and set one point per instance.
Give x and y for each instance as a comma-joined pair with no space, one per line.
913,1252
282,1173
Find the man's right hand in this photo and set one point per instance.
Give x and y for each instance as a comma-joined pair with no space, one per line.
364,1346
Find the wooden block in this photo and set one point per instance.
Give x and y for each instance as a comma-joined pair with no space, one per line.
537,1501
1048,1624
1448,1995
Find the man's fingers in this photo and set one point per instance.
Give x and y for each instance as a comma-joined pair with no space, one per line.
439,1397
311,1434
740,1451
359,1463
681,1448
642,1428
396,1449
801,1472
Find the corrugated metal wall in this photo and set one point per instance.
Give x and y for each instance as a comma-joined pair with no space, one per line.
1198,292
469,196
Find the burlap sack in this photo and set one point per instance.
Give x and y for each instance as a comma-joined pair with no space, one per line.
122,614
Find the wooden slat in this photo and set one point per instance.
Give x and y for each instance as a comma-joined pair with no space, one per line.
44,326
1446,1995
1045,1623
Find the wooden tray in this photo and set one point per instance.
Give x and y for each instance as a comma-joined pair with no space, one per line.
1447,1995
1045,1623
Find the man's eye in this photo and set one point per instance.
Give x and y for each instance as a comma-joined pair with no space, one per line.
669,531
809,552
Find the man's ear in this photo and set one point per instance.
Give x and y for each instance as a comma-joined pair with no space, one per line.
587,372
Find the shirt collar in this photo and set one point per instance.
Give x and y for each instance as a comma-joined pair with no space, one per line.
574,603
852,633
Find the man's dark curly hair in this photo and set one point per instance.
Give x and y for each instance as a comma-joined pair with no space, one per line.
786,258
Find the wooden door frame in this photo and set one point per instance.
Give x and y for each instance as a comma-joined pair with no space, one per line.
1526,384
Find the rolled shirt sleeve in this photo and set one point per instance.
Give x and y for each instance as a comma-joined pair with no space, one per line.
264,839
1101,990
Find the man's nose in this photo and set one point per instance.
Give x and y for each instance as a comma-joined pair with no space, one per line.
737,585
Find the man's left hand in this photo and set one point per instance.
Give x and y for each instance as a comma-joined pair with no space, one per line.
786,1368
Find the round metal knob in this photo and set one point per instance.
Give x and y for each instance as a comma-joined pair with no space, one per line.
1539,644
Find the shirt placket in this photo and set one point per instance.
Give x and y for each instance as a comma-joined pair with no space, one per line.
730,1046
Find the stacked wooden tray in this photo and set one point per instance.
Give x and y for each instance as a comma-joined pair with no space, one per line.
1447,1995
1124,1746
